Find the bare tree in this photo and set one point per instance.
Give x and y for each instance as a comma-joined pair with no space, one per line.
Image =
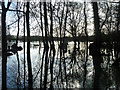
96,47
85,65
52,46
4,44
46,46
30,77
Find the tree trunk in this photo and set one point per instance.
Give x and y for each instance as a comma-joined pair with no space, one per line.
85,65
4,47
52,49
30,77
43,55
24,49
18,24
65,22
97,59
18,78
46,47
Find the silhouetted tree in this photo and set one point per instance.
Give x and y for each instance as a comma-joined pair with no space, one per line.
4,44
52,46
97,59
24,47
41,74
65,43
85,65
46,46
30,77
18,78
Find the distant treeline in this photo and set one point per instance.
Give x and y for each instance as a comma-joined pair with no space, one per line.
114,36
40,38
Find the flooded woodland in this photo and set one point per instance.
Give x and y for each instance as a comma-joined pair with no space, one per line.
60,45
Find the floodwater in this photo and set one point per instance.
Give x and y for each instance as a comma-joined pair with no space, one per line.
74,69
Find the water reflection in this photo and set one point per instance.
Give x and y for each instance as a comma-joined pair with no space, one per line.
68,68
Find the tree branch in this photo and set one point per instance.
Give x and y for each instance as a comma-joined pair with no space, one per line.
8,5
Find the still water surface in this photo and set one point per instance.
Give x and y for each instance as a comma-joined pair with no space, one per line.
75,72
